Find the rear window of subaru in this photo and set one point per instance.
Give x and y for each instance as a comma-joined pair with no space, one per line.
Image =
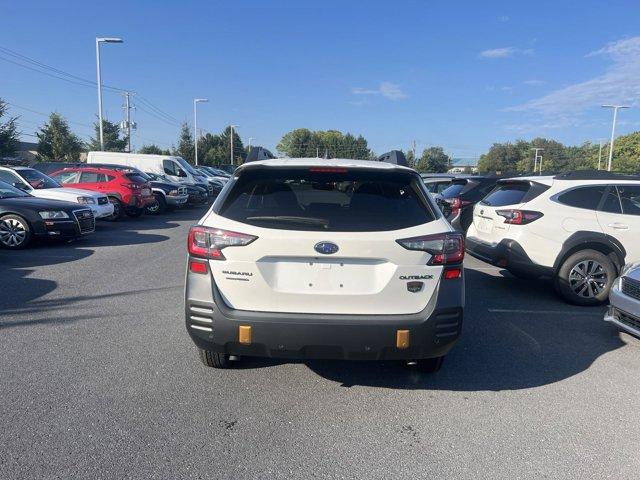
326,199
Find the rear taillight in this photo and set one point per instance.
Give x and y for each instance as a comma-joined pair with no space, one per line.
207,242
519,217
132,186
457,203
445,248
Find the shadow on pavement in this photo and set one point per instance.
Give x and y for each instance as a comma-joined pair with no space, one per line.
517,334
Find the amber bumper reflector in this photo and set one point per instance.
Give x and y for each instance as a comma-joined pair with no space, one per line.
402,339
244,334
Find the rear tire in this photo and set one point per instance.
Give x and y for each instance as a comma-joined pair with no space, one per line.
15,233
430,365
214,359
585,278
118,210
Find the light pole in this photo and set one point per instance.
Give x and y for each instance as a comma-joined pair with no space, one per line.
613,130
196,101
535,159
600,156
100,40
231,140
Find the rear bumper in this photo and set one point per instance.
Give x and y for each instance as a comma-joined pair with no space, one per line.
212,325
507,254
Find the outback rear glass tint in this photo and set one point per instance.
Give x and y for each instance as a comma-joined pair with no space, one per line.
507,194
335,201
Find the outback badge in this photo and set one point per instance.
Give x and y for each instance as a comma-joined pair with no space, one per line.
415,287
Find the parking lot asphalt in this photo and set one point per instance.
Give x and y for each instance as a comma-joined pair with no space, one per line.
100,380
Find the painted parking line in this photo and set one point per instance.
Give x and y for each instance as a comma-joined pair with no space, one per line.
547,312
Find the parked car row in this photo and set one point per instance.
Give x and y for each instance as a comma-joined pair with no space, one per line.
578,228
66,203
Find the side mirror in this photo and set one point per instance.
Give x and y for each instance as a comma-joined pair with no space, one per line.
20,185
181,173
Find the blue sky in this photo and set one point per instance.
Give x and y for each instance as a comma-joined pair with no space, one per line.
457,74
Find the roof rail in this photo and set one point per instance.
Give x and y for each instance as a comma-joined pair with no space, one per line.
396,157
595,175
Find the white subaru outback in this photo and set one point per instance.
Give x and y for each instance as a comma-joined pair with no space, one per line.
578,228
333,259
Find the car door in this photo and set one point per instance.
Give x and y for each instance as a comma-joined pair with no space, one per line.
619,216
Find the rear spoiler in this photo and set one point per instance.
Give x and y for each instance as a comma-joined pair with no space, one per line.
395,157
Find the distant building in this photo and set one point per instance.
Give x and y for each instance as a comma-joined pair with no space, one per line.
463,165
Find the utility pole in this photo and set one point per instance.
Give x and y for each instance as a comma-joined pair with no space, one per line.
536,158
127,124
250,139
231,141
613,130
600,155
415,160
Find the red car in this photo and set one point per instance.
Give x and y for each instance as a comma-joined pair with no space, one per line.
129,192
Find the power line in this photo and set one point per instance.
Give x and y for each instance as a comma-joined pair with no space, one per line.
46,114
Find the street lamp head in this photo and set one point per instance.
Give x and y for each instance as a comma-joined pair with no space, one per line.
615,106
200,100
109,40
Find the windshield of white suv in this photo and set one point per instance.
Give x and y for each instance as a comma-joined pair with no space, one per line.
37,179
329,199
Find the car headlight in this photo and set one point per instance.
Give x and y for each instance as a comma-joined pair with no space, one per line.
86,200
173,193
54,215
628,267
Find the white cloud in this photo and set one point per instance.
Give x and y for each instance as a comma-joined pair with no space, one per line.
389,90
505,52
503,18
534,82
619,84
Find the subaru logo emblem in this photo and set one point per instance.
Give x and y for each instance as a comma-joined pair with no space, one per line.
481,212
326,248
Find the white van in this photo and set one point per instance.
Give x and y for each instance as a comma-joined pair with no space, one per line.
174,168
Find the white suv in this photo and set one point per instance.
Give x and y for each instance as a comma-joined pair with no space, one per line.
40,185
579,228
311,258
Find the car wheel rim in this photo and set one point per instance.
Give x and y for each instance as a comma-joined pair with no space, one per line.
116,211
154,207
12,232
588,279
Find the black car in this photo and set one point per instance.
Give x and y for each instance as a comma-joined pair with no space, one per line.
24,217
458,199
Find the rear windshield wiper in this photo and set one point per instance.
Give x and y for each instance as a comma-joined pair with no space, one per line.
320,222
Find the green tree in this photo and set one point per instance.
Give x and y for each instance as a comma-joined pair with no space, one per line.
111,135
57,142
433,160
211,150
303,142
239,154
8,133
154,150
626,154
501,157
185,147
